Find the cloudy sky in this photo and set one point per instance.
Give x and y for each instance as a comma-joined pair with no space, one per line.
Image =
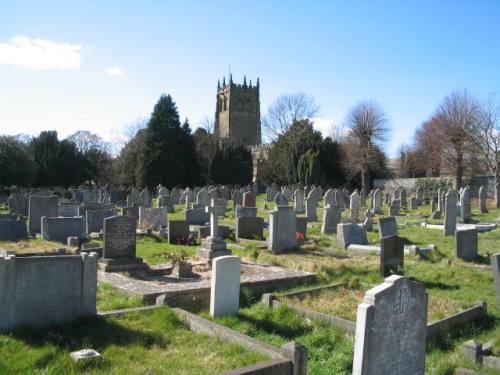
101,65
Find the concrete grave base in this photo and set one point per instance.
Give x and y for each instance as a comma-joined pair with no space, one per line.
121,264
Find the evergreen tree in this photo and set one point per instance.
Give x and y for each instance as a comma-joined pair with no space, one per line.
232,164
16,166
309,168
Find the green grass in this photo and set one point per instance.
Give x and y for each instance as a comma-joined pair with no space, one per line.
150,342
110,298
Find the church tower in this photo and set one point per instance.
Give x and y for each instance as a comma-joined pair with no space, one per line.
237,114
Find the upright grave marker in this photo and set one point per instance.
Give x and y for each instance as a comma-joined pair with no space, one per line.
392,255
495,265
391,329
225,286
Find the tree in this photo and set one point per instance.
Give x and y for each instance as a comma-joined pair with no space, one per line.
368,130
283,113
456,117
167,155
428,149
126,162
232,164
330,155
309,168
16,165
206,147
486,139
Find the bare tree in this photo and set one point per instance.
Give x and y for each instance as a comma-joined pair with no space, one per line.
368,130
457,117
486,139
339,132
285,110
207,124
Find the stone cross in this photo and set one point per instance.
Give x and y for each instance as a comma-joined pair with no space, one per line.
211,210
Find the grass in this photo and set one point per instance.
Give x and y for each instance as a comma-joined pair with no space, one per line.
32,245
110,298
150,342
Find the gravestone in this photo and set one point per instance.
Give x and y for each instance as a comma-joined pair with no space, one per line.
440,203
394,207
466,244
282,227
246,211
153,218
203,197
94,220
12,228
287,193
368,223
145,198
495,266
311,212
60,228
237,199
482,200
413,203
403,198
119,250
178,231
331,217
420,195
280,199
377,201
465,205
38,207
225,286
450,213
196,215
249,199
18,204
299,201
132,212
391,329
213,246
249,227
391,255
387,226
351,234
354,203
220,206
68,209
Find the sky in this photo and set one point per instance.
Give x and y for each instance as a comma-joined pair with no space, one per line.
101,65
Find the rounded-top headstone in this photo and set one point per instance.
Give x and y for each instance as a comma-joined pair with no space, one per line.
249,199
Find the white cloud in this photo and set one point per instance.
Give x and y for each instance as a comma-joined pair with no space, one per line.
114,71
40,54
323,124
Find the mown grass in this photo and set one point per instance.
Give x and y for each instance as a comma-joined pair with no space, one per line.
150,342
110,298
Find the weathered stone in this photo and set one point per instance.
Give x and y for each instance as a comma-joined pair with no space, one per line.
413,203
119,237
387,226
40,206
43,290
18,204
249,199
94,220
466,244
283,224
249,227
197,215
482,200
68,209
225,286
391,255
420,195
495,266
391,329
60,228
311,213
377,201
331,217
280,199
350,234
354,204
153,218
299,201
132,212
246,211
450,213
12,228
465,205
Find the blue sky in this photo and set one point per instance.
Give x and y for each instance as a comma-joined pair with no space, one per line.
101,65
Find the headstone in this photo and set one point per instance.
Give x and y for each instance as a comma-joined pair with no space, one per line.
299,201
60,228
391,255
404,202
466,244
331,217
145,197
329,198
132,212
68,209
350,234
225,286
377,201
413,203
420,195
354,203
246,211
311,212
249,227
394,207
465,205
495,266
450,213
287,193
391,329
152,218
203,197
178,231
18,204
197,215
38,207
94,220
119,250
213,246
387,226
482,200
282,227
249,199
368,223
237,199
280,199
440,195
12,228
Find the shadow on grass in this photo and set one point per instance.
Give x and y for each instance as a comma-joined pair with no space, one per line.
281,328
449,338
98,333
439,285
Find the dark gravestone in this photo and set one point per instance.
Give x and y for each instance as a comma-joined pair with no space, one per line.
302,226
82,209
68,209
249,199
351,234
132,212
120,245
12,229
94,220
466,244
495,265
387,226
178,231
117,195
60,228
18,204
250,227
40,206
391,256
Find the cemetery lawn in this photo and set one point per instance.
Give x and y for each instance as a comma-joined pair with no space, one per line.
154,341
110,298
32,245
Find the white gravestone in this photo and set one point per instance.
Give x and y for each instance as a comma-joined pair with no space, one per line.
225,286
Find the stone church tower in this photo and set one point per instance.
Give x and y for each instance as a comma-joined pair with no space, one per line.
237,114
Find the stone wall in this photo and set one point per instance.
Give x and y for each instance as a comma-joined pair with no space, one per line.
42,290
